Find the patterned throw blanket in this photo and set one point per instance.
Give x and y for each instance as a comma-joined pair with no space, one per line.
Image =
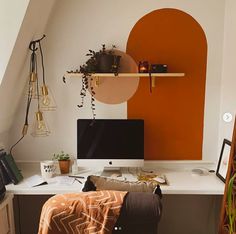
90,212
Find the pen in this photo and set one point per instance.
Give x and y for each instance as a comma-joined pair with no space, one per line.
78,181
75,176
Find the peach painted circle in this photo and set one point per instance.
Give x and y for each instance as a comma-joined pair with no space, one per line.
115,90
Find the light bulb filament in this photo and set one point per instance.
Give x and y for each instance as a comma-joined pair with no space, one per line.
46,100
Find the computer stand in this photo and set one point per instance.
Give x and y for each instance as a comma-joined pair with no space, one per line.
111,172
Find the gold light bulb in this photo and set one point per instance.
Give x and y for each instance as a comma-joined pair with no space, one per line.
33,77
40,122
32,88
32,84
45,97
40,127
46,100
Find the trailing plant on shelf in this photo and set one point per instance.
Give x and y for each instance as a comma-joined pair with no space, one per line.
99,61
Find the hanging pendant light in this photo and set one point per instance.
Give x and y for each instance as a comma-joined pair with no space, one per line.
47,101
40,127
32,85
33,72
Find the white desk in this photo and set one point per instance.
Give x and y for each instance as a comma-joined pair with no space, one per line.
178,174
200,194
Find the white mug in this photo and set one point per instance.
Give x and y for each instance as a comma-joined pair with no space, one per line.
47,169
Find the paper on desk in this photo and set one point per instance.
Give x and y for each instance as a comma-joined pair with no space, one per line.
35,180
64,180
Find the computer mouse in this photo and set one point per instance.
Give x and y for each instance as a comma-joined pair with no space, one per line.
160,180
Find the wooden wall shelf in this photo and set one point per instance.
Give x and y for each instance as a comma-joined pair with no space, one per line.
153,75
127,75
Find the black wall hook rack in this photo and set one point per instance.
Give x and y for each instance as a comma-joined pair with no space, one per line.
32,45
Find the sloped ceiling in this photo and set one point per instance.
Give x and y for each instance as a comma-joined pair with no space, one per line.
11,17
32,26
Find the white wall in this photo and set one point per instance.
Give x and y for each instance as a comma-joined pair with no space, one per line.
11,17
15,73
228,87
77,26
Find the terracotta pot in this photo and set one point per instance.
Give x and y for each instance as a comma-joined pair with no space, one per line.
64,166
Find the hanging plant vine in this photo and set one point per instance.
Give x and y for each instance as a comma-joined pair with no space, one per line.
86,77
92,65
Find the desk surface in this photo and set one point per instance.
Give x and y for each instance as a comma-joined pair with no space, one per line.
180,181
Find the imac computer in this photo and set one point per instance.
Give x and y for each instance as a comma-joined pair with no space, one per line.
110,143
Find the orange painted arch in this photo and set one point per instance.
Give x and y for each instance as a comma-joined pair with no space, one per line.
174,111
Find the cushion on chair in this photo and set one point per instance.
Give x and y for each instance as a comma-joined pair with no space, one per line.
141,209
94,183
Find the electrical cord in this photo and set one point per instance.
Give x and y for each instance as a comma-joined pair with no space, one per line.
33,68
16,144
42,60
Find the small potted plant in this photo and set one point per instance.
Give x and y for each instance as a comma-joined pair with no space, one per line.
64,161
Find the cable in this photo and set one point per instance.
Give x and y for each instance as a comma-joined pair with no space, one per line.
41,53
16,143
37,83
33,69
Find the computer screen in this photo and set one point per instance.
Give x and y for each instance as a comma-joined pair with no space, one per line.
113,142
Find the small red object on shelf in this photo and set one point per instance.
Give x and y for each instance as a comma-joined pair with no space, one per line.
143,67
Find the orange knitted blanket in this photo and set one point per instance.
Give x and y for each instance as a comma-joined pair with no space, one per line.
90,212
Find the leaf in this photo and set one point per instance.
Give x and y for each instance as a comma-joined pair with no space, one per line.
230,206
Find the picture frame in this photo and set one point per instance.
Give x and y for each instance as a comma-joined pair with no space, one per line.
223,162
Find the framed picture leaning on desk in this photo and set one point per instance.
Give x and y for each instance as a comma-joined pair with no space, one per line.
223,162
